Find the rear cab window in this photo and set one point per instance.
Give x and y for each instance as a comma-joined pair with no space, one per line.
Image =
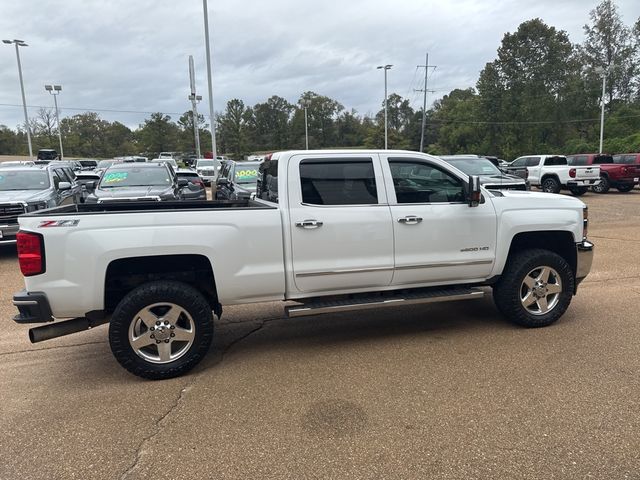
338,182
555,161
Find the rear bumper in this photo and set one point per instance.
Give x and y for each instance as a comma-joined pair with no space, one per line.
584,259
33,307
582,183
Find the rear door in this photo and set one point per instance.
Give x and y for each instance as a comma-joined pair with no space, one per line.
339,221
438,237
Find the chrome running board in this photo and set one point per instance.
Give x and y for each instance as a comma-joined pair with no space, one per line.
381,300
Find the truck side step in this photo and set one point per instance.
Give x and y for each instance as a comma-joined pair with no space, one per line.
382,299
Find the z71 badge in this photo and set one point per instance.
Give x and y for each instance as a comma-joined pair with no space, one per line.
58,223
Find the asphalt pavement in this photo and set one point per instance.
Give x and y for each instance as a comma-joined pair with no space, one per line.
446,391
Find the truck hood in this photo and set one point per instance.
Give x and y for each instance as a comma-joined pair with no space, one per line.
531,200
23,195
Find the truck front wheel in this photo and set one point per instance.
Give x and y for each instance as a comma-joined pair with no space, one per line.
535,288
161,329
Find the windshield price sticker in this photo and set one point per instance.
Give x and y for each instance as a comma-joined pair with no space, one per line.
242,174
115,177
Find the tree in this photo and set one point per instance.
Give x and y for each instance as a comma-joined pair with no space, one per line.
454,116
269,123
158,134
186,140
322,112
233,128
611,45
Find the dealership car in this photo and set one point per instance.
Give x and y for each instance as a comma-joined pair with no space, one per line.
195,189
208,169
237,180
491,177
137,181
28,189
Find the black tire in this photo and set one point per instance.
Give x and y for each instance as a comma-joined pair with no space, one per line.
603,186
507,292
579,191
551,185
625,188
180,294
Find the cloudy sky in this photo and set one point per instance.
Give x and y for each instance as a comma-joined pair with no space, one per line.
123,58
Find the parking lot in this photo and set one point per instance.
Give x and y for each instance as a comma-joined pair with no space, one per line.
435,391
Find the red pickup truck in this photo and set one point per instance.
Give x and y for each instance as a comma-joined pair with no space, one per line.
617,175
629,159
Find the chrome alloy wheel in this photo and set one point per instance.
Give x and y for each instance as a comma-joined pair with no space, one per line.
540,290
162,332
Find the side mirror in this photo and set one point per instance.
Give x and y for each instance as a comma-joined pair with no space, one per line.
90,186
474,194
223,181
64,186
183,182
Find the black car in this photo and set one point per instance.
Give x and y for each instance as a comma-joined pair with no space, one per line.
237,180
491,177
195,189
137,181
47,154
27,189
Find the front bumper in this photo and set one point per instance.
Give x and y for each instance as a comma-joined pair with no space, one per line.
33,307
8,233
584,259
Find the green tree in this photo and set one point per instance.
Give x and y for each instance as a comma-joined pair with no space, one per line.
232,126
158,134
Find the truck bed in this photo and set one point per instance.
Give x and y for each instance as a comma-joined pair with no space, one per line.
145,206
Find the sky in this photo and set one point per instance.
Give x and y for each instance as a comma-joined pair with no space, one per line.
127,58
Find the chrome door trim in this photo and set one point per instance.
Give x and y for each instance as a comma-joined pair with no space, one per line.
349,270
445,264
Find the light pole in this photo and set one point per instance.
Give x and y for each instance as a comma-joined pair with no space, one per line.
55,91
385,67
20,43
305,104
194,110
209,78
603,71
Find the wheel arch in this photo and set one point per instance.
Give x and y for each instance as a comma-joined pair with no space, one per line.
557,241
125,274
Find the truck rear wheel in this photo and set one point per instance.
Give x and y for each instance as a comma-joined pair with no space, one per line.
535,288
161,329
625,188
603,186
551,185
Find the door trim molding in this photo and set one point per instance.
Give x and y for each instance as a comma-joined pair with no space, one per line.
341,271
444,264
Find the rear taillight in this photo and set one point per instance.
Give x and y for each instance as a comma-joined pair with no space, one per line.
30,253
572,172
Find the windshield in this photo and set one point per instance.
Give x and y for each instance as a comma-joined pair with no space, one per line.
206,163
247,173
475,166
135,177
23,180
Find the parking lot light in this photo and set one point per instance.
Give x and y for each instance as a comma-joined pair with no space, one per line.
55,91
21,43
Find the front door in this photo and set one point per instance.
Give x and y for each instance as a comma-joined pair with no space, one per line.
340,224
438,237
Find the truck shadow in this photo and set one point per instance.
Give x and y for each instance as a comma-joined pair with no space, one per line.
433,323
8,251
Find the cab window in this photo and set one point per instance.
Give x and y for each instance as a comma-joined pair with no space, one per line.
338,182
418,182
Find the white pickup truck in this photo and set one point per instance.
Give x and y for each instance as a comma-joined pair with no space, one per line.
329,231
552,173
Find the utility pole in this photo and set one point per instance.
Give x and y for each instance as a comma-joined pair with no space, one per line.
209,78
426,67
194,109
385,68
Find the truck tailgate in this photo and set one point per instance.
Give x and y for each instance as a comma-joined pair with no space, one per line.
589,172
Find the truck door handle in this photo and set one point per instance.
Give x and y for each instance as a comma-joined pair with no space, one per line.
410,220
309,224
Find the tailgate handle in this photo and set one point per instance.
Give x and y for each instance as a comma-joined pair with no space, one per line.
309,224
410,220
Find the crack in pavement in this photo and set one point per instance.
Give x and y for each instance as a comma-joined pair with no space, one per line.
158,426
51,348
163,420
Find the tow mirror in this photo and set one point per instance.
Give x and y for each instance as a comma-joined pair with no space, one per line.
223,181
64,186
474,194
183,182
90,186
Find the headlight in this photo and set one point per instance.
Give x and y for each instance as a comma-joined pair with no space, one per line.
32,207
